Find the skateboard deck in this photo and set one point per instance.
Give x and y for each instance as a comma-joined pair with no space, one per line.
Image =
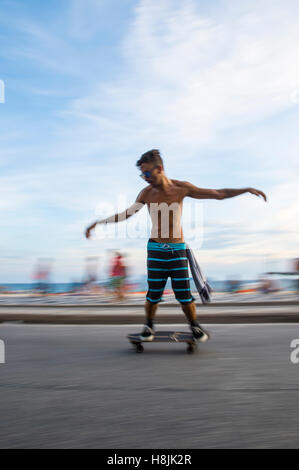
165,337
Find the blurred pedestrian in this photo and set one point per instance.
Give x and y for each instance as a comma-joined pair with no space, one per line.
89,282
118,276
296,266
41,275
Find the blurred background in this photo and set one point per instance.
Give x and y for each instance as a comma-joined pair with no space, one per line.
119,284
90,86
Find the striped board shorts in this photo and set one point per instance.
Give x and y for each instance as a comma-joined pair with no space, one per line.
164,260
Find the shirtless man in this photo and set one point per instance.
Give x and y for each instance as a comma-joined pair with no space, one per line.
166,248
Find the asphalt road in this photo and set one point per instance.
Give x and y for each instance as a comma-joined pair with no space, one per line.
85,387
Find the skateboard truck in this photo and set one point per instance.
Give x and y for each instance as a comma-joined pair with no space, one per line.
165,337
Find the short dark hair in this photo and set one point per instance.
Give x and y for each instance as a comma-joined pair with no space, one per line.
152,156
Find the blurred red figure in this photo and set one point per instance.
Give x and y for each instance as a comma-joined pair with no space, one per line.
41,275
118,276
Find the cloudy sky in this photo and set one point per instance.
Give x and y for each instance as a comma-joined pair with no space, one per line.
89,85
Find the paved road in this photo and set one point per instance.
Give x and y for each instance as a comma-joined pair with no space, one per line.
84,387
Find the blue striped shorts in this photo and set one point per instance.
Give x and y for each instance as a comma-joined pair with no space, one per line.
164,260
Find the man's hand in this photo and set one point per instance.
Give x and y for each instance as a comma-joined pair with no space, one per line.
89,229
257,193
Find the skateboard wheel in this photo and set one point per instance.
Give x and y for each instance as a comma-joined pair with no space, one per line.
139,348
190,349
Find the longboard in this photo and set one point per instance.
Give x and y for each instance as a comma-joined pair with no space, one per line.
165,337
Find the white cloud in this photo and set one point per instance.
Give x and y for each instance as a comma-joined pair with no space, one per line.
189,77
193,75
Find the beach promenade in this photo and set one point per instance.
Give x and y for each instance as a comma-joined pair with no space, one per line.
93,309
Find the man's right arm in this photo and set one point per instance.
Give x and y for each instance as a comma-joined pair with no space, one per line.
138,204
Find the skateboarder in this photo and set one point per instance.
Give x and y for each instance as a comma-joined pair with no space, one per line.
166,248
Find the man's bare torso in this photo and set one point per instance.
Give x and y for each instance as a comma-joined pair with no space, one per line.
165,208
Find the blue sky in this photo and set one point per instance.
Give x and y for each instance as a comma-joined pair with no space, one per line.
91,85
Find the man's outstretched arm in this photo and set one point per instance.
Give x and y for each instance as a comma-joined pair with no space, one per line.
203,193
138,204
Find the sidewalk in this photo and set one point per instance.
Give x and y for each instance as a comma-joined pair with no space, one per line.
138,299
121,314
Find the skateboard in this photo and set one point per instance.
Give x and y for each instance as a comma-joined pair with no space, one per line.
165,337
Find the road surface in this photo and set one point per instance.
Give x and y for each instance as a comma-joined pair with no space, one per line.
85,387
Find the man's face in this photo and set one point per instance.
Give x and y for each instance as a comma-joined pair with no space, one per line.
155,173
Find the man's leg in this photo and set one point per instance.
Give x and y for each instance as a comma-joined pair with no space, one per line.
190,311
198,332
181,287
150,311
157,274
148,328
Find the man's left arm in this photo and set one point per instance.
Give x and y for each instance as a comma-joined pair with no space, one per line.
204,193
226,193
